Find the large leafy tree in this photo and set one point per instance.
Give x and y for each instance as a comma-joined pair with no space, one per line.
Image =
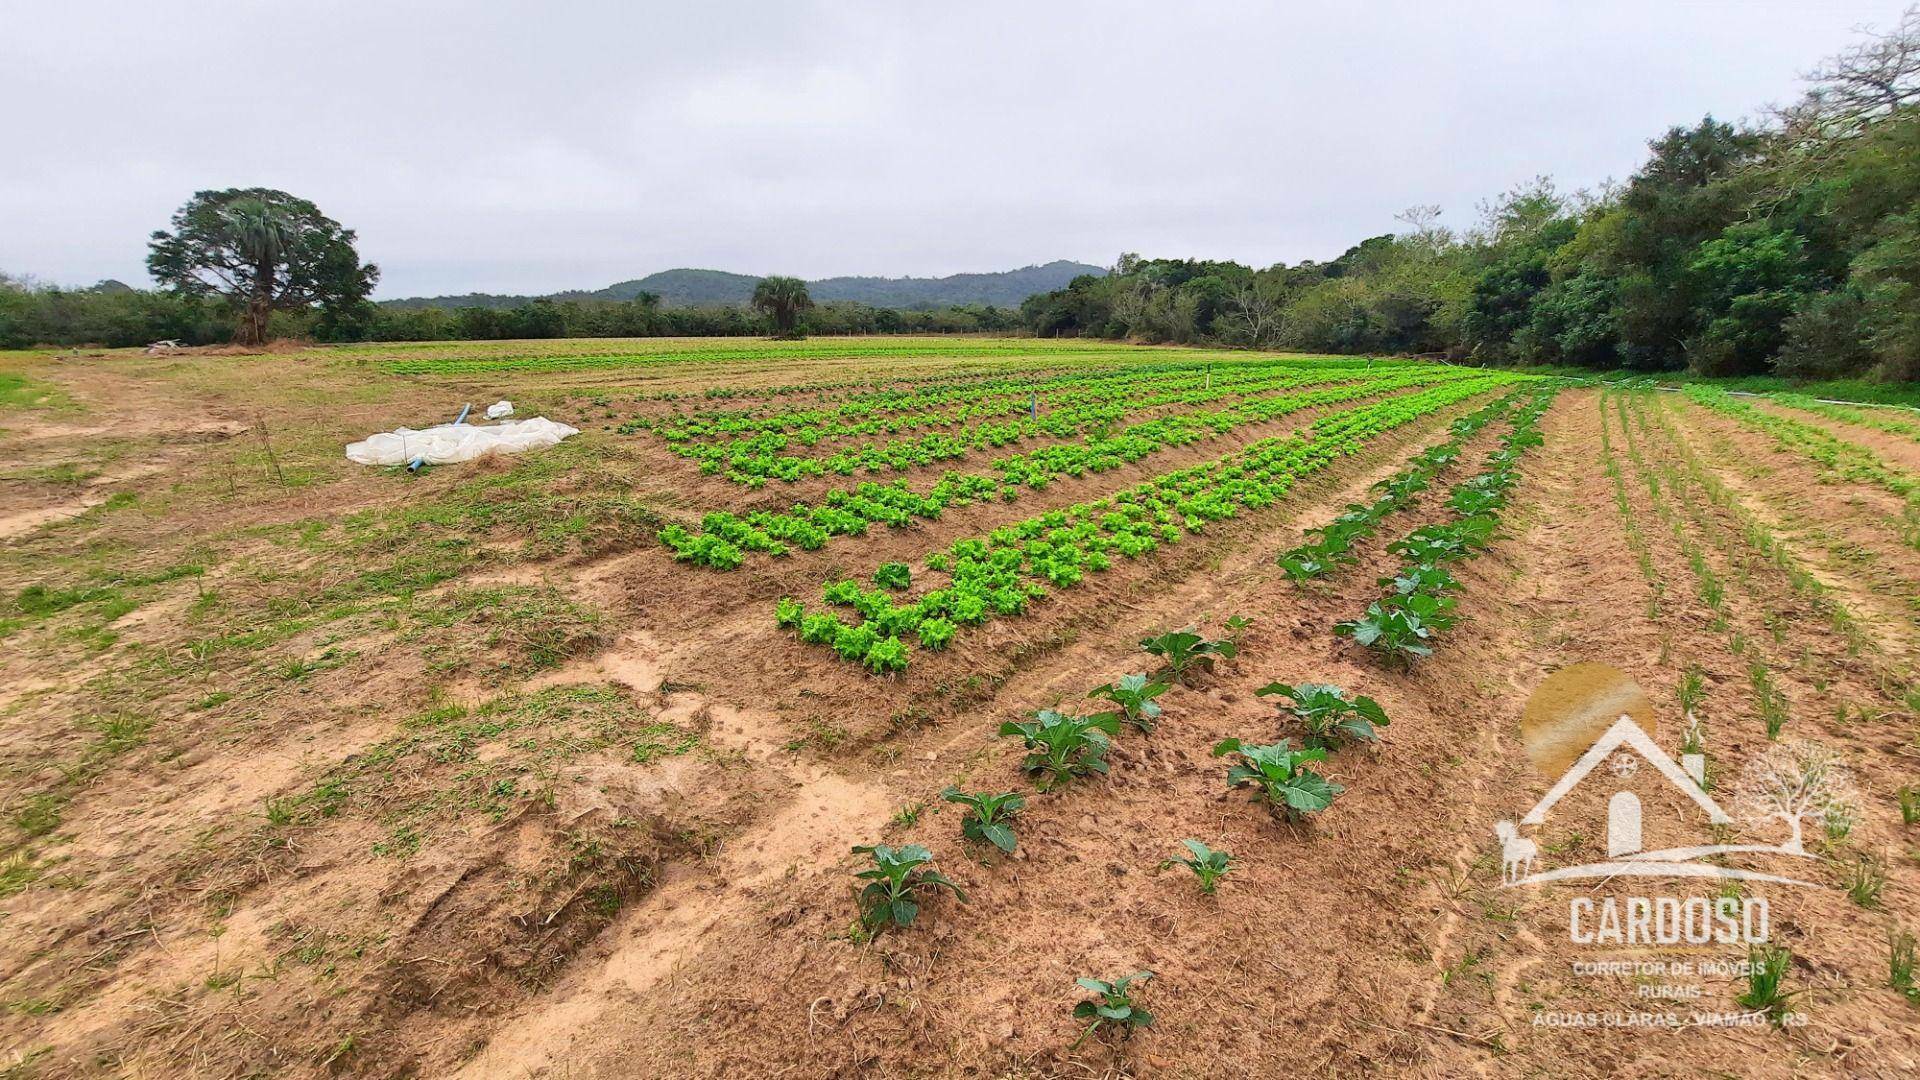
264,251
782,299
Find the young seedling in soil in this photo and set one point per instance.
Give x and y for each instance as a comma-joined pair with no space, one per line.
1185,652
987,818
1328,713
1909,804
1207,864
1766,991
1280,776
1113,1007
1901,962
898,875
1865,878
1135,696
1061,747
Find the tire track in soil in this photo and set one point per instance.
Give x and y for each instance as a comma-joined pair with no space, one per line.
822,815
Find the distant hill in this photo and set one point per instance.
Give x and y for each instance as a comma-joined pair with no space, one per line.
713,288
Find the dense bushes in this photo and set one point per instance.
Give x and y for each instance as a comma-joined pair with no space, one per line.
115,316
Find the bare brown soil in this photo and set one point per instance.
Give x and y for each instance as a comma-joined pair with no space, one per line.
392,782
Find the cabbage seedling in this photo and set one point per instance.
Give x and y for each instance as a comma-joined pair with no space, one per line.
898,875
1135,696
1114,1006
987,816
1327,712
1280,776
1061,747
1185,651
1207,864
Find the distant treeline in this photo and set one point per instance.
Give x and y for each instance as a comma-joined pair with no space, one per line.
1789,247
113,315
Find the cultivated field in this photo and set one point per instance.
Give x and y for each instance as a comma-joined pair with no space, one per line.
556,765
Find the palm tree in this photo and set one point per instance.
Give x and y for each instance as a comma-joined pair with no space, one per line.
261,235
782,299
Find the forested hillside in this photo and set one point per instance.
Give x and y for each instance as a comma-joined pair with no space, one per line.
1788,246
699,288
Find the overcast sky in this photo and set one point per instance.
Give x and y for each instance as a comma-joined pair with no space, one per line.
485,145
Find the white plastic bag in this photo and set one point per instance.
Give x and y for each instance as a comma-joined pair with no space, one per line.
446,444
500,410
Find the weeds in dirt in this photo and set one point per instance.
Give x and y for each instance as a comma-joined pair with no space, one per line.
1766,976
1207,864
1864,879
1909,796
897,877
988,817
1692,691
1771,702
1113,1007
1903,957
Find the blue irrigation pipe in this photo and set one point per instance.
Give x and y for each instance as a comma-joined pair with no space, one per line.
419,463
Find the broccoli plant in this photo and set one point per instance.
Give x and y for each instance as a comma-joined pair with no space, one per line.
893,575
1135,696
1185,651
898,875
1207,864
1280,776
1061,747
1114,1006
1327,712
987,816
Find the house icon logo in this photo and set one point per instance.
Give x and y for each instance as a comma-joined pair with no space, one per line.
1793,782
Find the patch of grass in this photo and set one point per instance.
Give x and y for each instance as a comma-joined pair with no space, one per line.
662,740
19,392
41,814
17,872
452,761
538,627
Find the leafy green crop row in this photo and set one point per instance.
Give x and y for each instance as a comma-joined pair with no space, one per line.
1092,404
1847,459
1903,422
1419,605
1001,573
1333,542
725,537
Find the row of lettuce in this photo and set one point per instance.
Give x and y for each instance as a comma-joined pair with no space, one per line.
1002,573
725,539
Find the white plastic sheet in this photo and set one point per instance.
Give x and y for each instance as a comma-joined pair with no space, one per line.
500,410
446,444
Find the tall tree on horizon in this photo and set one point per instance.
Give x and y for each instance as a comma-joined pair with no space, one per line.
265,251
782,299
